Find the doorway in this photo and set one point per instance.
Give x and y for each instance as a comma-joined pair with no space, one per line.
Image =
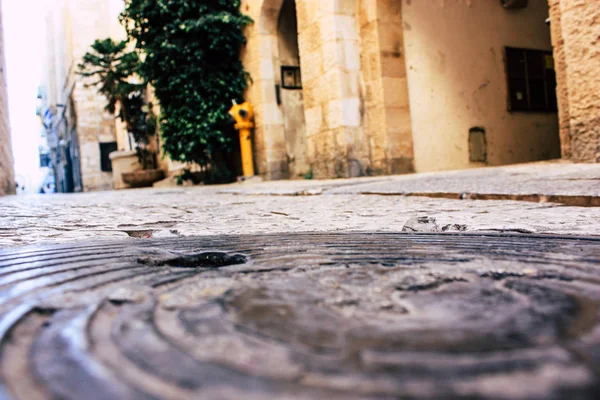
289,90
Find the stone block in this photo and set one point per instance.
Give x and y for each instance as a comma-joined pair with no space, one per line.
311,94
267,22
371,65
333,55
328,28
398,118
333,114
251,52
314,120
332,83
400,144
350,84
272,114
311,148
389,10
312,65
376,129
351,55
395,92
309,38
390,36
345,7
278,170
268,46
351,112
346,27
374,93
308,12
267,92
274,139
260,92
367,12
393,65
267,69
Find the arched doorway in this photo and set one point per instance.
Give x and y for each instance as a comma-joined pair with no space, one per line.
289,89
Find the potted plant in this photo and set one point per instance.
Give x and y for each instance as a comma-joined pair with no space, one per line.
114,71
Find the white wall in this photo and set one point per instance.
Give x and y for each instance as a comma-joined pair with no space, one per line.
457,80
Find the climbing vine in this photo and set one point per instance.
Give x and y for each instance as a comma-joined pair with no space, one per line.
191,56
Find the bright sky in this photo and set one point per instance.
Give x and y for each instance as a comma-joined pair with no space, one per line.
23,38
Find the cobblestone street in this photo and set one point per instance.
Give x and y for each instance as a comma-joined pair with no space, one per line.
374,288
364,204
412,206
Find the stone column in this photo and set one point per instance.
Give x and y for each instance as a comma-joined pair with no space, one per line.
560,67
259,58
7,173
576,39
330,62
386,109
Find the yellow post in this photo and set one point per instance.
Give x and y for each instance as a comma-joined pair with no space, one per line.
243,113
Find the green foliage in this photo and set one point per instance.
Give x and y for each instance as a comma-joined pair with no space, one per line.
113,70
192,58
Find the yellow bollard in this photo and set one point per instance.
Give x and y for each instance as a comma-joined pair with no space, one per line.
243,113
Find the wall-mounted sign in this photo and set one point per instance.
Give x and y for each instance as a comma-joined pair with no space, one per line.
291,77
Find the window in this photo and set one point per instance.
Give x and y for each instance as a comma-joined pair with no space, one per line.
291,78
531,80
105,150
45,160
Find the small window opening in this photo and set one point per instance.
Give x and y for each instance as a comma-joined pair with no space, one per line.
477,145
105,150
531,80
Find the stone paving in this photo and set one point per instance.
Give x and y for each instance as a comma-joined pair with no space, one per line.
340,289
308,206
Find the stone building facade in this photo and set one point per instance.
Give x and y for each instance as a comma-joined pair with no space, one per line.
7,174
396,86
345,88
80,131
576,38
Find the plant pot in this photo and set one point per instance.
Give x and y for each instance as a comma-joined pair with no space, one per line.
143,178
123,162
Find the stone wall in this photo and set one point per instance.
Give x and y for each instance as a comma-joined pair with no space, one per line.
330,61
562,94
385,92
343,138
91,20
7,178
386,107
80,119
455,52
576,40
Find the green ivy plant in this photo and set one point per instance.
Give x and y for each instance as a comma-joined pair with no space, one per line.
113,70
191,56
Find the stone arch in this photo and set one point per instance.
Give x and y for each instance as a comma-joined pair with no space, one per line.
329,50
260,58
280,137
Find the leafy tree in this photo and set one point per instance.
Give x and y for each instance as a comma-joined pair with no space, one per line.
113,70
191,57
